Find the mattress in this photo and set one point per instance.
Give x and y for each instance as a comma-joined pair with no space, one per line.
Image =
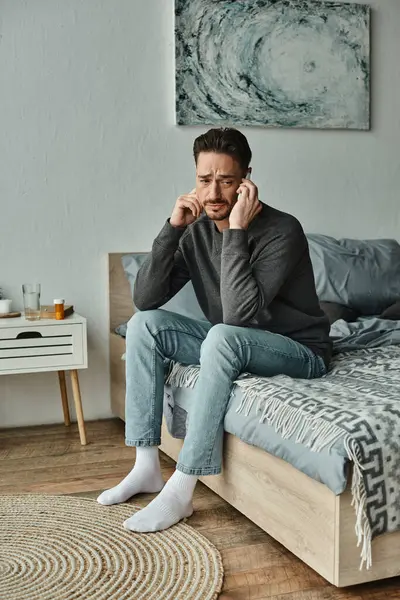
329,467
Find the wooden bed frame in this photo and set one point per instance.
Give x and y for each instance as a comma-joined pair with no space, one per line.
302,514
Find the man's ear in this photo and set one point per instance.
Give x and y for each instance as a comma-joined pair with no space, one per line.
249,172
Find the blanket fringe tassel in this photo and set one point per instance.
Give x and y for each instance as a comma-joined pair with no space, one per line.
312,431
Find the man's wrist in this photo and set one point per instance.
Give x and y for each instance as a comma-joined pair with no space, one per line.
176,226
236,226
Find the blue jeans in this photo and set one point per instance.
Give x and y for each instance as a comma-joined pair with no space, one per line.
155,337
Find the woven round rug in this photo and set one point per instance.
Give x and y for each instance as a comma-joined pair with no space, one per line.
67,548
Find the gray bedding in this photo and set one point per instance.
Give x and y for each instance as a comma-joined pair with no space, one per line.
328,466
366,332
354,407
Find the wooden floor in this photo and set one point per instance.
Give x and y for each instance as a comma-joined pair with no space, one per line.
50,459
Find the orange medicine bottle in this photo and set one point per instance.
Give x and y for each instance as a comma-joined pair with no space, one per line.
59,309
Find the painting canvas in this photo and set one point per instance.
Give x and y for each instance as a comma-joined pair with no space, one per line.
276,63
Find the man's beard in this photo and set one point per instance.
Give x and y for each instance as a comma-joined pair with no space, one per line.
221,215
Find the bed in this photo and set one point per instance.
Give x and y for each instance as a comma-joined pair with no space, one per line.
310,514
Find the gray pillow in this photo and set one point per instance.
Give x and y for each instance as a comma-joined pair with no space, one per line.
361,274
184,302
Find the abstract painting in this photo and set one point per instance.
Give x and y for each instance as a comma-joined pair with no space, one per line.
276,63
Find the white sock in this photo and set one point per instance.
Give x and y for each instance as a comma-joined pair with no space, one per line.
145,477
172,504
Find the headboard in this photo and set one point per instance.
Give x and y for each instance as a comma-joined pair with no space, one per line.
121,310
120,299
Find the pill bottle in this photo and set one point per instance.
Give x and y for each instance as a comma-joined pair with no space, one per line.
59,309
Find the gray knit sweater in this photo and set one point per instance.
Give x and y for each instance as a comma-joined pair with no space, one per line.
259,278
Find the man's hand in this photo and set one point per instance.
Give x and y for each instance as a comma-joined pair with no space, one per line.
247,206
187,209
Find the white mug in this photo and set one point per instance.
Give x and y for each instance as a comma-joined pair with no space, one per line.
5,306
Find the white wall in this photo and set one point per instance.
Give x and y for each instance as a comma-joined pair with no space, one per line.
91,162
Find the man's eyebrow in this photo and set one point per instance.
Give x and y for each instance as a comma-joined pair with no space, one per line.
223,176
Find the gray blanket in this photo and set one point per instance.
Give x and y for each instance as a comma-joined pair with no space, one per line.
366,332
357,404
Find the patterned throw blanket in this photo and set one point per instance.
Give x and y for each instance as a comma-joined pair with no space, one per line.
356,404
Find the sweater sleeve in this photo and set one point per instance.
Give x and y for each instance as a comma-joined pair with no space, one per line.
163,273
249,288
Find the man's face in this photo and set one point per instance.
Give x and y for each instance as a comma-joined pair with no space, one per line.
218,176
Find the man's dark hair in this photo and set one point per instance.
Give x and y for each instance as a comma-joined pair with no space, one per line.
224,141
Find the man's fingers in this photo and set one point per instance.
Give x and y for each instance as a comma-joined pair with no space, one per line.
248,183
191,203
244,191
196,202
194,197
251,187
186,203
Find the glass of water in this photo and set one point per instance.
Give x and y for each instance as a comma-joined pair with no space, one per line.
31,293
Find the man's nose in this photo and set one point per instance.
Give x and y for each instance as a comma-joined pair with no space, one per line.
215,191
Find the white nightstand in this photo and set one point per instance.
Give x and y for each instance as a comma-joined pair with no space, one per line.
47,345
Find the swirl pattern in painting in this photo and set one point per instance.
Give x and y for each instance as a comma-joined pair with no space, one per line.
278,63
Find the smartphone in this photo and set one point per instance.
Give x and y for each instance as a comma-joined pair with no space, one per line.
248,176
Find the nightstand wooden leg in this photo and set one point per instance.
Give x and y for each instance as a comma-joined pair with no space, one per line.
78,406
64,397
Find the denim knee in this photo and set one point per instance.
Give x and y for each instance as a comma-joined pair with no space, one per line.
219,336
218,333
146,319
